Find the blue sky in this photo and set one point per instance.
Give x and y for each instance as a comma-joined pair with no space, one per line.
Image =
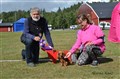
48,5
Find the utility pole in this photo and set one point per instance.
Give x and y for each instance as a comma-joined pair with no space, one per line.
15,15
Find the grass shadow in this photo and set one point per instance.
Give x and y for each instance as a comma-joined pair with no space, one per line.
104,60
46,59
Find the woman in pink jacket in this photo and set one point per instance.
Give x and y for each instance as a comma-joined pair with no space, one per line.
89,42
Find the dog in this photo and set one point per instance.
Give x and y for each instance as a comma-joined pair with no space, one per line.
63,61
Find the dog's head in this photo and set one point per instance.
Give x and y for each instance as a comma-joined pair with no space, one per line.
61,55
62,59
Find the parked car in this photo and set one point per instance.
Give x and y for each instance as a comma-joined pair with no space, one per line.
50,27
104,25
73,27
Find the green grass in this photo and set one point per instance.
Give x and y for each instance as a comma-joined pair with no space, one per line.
10,49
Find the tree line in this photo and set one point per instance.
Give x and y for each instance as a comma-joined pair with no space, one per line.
62,18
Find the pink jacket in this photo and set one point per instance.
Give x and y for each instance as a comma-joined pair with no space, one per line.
91,33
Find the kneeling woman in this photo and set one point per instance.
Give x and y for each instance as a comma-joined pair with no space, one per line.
89,42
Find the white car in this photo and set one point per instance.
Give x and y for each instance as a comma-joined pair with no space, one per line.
73,27
104,25
50,27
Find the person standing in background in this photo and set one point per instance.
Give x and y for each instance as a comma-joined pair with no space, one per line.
114,32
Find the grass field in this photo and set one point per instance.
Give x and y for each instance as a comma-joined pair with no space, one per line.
10,49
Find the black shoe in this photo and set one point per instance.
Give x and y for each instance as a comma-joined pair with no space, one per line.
94,63
31,64
36,62
23,54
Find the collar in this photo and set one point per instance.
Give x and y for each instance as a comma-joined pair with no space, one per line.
86,27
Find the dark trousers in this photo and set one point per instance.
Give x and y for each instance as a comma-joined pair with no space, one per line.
87,55
31,49
93,52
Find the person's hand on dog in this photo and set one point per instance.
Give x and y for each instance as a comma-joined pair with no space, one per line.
68,55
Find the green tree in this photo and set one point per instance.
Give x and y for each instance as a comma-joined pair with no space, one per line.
60,19
59,10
